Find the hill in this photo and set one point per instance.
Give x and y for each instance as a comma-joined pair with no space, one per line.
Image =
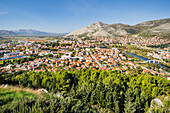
156,27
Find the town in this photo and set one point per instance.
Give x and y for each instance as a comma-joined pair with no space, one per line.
97,54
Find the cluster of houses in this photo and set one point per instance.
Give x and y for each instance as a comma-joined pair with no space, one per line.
159,54
143,41
73,55
135,40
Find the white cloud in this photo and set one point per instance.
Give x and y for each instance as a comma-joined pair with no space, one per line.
3,12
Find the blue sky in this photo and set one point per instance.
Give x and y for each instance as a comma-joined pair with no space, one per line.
61,16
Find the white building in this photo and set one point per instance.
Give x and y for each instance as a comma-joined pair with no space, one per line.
10,54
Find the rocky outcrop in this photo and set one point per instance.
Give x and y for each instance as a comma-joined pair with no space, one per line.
99,29
159,104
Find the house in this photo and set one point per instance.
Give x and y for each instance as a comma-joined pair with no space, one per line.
1,68
146,71
135,66
67,68
78,68
9,66
154,72
125,67
163,74
118,69
127,72
149,54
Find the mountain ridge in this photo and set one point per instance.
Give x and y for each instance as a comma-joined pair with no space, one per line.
27,32
7,32
154,27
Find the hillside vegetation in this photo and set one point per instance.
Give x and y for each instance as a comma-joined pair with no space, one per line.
88,90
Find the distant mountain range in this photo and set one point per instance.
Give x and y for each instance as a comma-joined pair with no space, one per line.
27,32
6,32
150,28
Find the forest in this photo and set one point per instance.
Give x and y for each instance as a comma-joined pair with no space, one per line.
87,90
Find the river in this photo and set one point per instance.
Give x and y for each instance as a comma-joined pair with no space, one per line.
3,58
142,58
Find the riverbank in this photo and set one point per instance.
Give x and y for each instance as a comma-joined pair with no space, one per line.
145,59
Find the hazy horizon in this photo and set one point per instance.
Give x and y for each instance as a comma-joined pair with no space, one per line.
64,16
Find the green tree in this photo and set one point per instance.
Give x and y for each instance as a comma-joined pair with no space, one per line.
129,104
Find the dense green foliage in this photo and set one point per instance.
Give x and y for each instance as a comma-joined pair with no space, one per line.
47,104
160,46
110,91
17,60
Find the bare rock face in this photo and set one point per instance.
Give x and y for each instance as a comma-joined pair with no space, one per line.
159,104
157,27
164,28
99,29
43,90
156,102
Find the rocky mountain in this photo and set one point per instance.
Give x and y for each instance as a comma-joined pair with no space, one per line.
152,24
156,27
100,29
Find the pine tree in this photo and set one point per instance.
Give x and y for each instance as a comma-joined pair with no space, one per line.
72,92
129,105
138,100
108,100
116,102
